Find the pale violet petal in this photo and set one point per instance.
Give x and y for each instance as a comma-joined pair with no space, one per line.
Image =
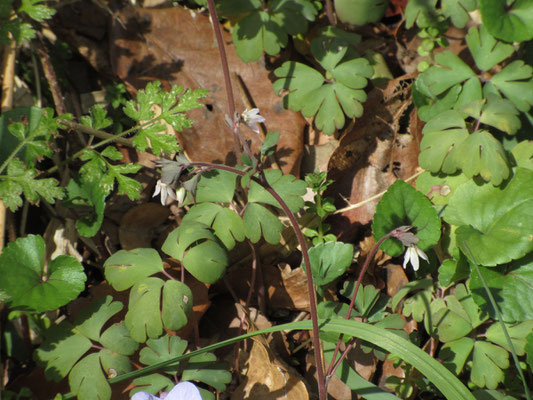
157,188
184,391
144,396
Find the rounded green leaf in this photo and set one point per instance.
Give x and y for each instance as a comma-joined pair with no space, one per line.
199,250
207,261
511,21
126,268
32,286
360,12
492,220
176,305
216,186
329,261
511,290
404,205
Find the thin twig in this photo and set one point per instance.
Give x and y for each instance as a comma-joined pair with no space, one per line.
97,133
372,198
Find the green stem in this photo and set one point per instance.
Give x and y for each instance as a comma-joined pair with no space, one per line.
469,254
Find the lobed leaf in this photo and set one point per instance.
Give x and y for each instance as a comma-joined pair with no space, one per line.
260,222
491,219
489,361
511,21
485,49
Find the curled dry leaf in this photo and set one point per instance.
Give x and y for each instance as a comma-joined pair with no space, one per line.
268,378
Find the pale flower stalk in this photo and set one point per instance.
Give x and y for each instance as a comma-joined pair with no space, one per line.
252,118
182,391
411,256
165,191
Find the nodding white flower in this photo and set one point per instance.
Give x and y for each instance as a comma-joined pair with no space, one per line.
252,118
411,255
165,191
182,391
180,195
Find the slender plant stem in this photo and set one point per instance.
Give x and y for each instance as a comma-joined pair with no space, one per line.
329,12
334,365
469,254
322,394
97,133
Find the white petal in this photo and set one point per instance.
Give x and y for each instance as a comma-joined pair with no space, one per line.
414,258
157,188
421,254
144,396
184,391
171,193
180,195
164,195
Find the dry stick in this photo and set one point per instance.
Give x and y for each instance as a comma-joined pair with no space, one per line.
8,71
372,198
6,103
322,394
334,365
97,133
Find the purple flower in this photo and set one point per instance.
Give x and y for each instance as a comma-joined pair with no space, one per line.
182,391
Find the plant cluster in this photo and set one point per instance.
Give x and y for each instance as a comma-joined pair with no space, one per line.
467,217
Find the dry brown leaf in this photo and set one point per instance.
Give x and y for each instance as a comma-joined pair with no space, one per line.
177,46
268,378
370,157
139,224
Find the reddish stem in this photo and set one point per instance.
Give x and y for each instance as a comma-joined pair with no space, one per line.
335,364
322,394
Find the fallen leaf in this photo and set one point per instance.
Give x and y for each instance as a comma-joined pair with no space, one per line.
370,157
268,378
177,46
139,225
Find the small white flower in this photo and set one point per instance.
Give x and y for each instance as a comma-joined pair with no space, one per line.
165,191
180,195
411,256
182,391
252,118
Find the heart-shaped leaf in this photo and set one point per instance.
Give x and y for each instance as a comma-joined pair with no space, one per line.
30,284
404,205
